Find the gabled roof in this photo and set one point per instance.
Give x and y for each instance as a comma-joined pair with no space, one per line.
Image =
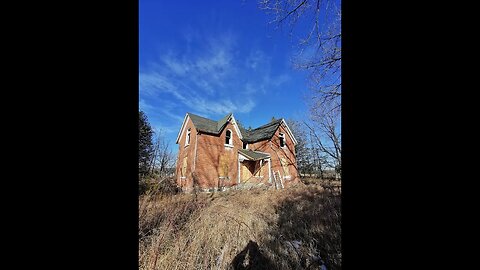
206,125
203,124
253,155
222,122
264,132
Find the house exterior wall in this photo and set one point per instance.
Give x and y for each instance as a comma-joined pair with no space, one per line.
188,152
276,152
214,159
215,165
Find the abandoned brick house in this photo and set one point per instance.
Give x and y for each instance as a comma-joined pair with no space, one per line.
215,155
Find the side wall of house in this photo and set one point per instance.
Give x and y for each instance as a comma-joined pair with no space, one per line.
276,152
217,164
188,152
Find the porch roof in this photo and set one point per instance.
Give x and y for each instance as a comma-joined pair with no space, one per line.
253,155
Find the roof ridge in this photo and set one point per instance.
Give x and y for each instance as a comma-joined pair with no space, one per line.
270,123
201,116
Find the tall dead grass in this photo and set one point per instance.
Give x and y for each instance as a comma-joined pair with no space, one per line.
296,228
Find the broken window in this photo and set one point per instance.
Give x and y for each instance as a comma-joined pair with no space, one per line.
245,145
187,140
228,137
282,139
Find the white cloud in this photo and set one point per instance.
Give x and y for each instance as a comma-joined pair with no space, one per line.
163,109
212,79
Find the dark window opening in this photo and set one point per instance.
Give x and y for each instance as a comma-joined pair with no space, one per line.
245,145
282,141
228,137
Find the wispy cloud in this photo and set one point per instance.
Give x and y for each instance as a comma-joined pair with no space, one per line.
159,113
212,80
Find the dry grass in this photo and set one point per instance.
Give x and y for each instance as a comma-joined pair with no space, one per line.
247,229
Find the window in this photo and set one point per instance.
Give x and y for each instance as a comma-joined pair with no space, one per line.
184,168
223,165
187,140
228,137
245,145
282,139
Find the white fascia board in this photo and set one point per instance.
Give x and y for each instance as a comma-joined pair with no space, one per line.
180,133
237,129
289,131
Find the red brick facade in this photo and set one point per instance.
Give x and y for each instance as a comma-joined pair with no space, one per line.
211,164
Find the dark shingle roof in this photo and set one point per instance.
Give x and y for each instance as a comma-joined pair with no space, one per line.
264,132
206,125
203,124
253,155
223,122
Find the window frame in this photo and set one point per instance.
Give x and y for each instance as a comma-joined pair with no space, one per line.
188,137
230,139
282,136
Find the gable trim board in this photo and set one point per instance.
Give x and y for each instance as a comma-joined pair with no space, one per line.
180,133
289,132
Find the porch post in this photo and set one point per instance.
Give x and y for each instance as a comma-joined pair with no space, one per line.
270,170
238,158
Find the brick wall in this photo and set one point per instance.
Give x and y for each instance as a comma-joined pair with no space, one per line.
216,165
188,152
211,150
276,152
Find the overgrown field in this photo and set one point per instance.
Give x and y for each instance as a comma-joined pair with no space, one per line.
294,228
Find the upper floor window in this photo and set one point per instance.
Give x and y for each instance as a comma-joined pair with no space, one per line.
245,145
228,137
281,136
187,140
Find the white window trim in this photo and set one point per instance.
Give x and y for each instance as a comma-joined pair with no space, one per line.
230,144
189,132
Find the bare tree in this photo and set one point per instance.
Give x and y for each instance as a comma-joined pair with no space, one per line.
319,46
328,140
302,152
163,158
319,54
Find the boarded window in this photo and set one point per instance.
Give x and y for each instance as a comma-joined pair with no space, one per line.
223,165
284,162
184,167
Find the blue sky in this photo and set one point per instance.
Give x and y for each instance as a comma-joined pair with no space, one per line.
215,57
